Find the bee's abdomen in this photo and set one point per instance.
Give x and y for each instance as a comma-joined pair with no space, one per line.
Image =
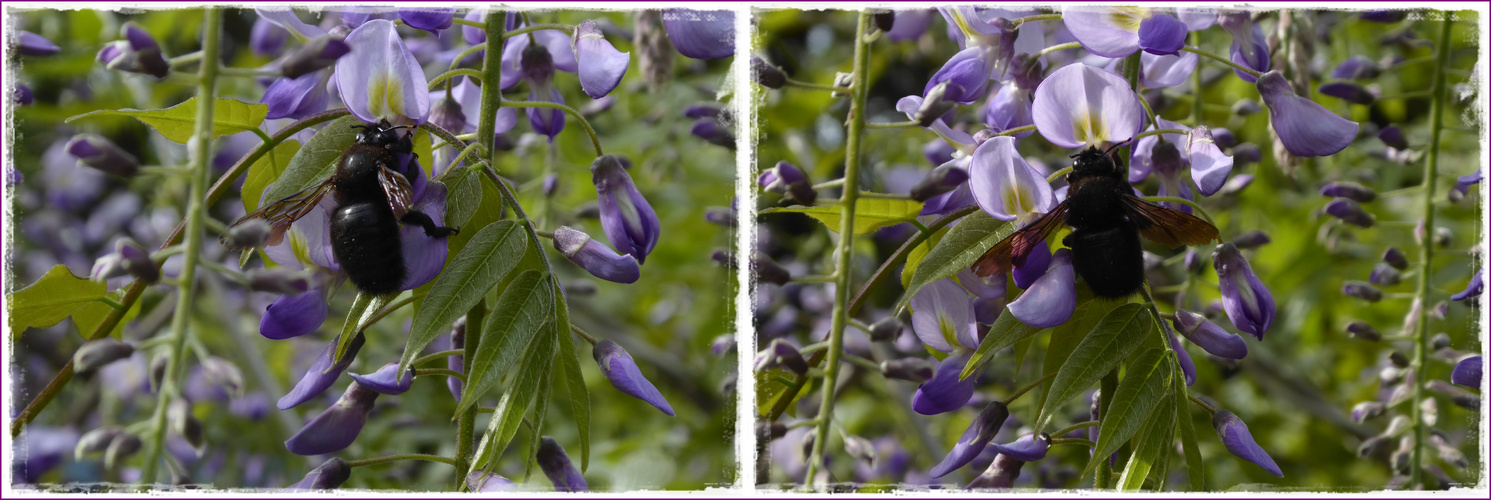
1110,260
365,241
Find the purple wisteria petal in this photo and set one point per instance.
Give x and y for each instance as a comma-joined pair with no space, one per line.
291,316
1009,108
1027,448
1197,19
1052,298
1209,336
601,65
1182,357
1105,31
321,375
619,368
1161,35
546,121
334,429
556,465
97,152
1079,105
1167,162
1348,91
1305,128
973,440
985,288
34,45
950,201
1249,47
429,19
910,24
1392,136
285,18
1141,161
1033,267
471,34
1235,436
297,98
1006,187
1166,71
456,363
944,392
558,45
967,74
386,380
319,53
1473,289
953,137
942,316
1356,67
138,52
701,34
1209,167
327,476
23,95
1248,303
469,95
595,257
1468,372
485,482
627,218
266,38
424,255
384,81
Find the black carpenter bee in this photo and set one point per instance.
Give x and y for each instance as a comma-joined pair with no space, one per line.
1106,220
372,200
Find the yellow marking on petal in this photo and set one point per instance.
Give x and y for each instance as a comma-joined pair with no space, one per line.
385,96
1015,201
300,247
968,32
1128,18
949,331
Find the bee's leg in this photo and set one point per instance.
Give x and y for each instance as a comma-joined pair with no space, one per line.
418,218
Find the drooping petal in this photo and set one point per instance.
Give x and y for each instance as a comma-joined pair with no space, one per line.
594,257
297,98
628,220
619,368
1182,357
321,375
1248,303
1249,48
1166,71
1209,167
1161,35
1105,31
334,429
383,81
1052,298
701,34
1027,448
386,380
944,392
1009,108
1305,128
1209,336
1079,105
546,121
1473,289
1469,371
429,19
424,255
942,316
1006,187
1035,265
556,465
967,75
601,65
973,440
327,476
291,316
1235,436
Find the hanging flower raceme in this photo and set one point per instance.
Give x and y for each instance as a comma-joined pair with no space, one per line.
1249,47
619,368
1304,127
627,218
136,53
384,81
701,34
1246,300
601,66
1119,31
1236,438
1079,106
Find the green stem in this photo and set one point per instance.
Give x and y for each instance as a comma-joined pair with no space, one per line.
812,86
467,72
1073,427
844,252
423,372
828,184
594,140
436,356
1222,60
196,211
409,456
466,421
588,338
892,125
1017,130
1038,17
1021,391
1057,48
569,29
1196,105
467,151
1426,255
1058,174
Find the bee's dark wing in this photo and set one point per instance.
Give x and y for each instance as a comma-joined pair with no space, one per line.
1012,250
281,214
396,187
1172,228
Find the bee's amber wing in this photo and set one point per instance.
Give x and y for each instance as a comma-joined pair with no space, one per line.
281,214
1172,228
1002,257
400,195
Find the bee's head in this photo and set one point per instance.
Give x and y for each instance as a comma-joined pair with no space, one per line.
387,135
1095,161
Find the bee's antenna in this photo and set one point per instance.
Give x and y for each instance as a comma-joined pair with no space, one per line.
1117,145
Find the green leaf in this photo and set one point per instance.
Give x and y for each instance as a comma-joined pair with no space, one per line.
510,328
265,171
464,198
869,213
364,307
914,258
178,123
1112,340
316,160
422,152
1064,337
1195,470
962,245
1005,332
569,368
487,210
1145,385
54,297
91,316
540,410
515,402
1149,448
488,257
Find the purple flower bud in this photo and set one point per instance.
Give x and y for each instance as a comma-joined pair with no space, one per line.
780,354
1392,136
1395,258
627,218
973,440
1463,183
766,74
944,392
98,353
1468,372
1385,16
1248,303
723,216
941,180
1367,410
916,370
1360,290
320,52
385,380
447,114
327,476
1384,274
1348,91
123,445
702,110
940,99
429,19
1235,436
23,97
1028,448
335,429
769,271
1362,330
136,53
252,233
1473,289
1162,35
601,65
95,441
157,371
593,256
1355,68
266,38
1305,128
1349,190
1249,48
33,45
298,97
701,34
910,24
556,465
886,330
485,482
1052,298
1209,336
1251,239
618,367
1349,212
321,375
179,415
711,130
128,258
1001,474
97,152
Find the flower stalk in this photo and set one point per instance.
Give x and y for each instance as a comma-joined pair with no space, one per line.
1426,254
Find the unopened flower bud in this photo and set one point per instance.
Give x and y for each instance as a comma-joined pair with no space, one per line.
767,75
722,345
1361,290
723,216
179,415
780,354
1001,474
1245,107
886,330
318,53
158,371
914,370
885,20
1402,455
1469,371
557,466
1395,258
1367,410
1439,341
712,131
1398,359
1443,237
138,52
122,446
1449,454
843,81
95,441
1372,446
723,257
936,103
621,370
1209,336
222,373
1349,190
1348,91
252,233
327,476
769,271
386,380
1362,330
1251,239
446,113
1391,375
767,431
1236,438
1383,274
1392,136
97,152
98,353
1349,212
595,257
941,180
861,449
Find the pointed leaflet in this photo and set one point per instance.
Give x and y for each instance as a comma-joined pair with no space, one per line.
178,123
1066,336
1145,385
869,213
1005,332
1110,342
569,367
1149,449
465,195
540,408
364,307
508,416
266,170
54,297
510,331
962,245
1195,472
316,160
487,257
914,259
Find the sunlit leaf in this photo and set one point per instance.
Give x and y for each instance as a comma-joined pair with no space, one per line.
515,401
1112,340
265,171
364,307
1152,443
54,297
178,123
569,368
1005,332
512,325
869,213
1145,385
957,250
488,257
